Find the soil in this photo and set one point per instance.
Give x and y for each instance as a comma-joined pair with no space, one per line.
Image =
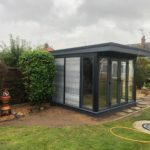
59,116
51,116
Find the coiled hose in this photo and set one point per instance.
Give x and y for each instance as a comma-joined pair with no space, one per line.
125,138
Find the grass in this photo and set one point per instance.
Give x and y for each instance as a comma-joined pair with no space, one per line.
96,137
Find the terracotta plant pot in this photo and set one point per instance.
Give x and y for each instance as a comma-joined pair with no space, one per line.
5,99
5,109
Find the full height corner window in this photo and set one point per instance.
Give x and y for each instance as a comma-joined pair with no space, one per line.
59,80
123,81
88,82
114,82
130,80
72,81
103,77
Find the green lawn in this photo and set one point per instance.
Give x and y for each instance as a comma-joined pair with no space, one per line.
73,138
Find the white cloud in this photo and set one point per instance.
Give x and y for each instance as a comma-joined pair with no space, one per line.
68,23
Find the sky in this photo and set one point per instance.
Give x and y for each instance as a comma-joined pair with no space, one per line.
71,23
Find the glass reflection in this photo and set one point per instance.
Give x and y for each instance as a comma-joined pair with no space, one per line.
114,82
103,65
123,81
59,81
88,82
130,80
72,81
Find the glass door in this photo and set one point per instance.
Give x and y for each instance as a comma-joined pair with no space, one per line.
130,80
72,81
87,82
103,83
114,82
123,81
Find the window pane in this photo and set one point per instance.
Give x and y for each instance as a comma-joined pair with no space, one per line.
103,64
114,82
59,80
72,81
130,80
123,81
88,82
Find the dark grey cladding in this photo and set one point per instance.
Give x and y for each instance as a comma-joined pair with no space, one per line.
106,47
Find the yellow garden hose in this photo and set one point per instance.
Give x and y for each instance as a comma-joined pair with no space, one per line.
125,138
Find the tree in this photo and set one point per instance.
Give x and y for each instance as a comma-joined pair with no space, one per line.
10,54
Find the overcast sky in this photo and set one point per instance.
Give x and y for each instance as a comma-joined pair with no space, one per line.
69,23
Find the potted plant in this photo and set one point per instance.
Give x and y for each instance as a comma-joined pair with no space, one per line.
5,98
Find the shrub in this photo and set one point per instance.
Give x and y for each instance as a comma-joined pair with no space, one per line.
38,68
142,72
147,82
147,85
10,54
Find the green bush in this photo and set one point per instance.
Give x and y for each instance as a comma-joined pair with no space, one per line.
147,85
38,68
10,54
142,71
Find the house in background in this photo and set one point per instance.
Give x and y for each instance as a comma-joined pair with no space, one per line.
47,48
96,78
143,44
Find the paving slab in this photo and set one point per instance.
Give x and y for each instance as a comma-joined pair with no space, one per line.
139,125
128,110
141,106
121,113
135,108
143,102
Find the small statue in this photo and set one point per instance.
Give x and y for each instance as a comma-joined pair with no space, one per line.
6,93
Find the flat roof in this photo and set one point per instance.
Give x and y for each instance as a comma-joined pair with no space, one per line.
105,47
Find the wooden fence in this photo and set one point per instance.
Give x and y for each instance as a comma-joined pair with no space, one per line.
13,82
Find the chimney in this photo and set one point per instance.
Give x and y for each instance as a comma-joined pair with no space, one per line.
47,47
143,41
